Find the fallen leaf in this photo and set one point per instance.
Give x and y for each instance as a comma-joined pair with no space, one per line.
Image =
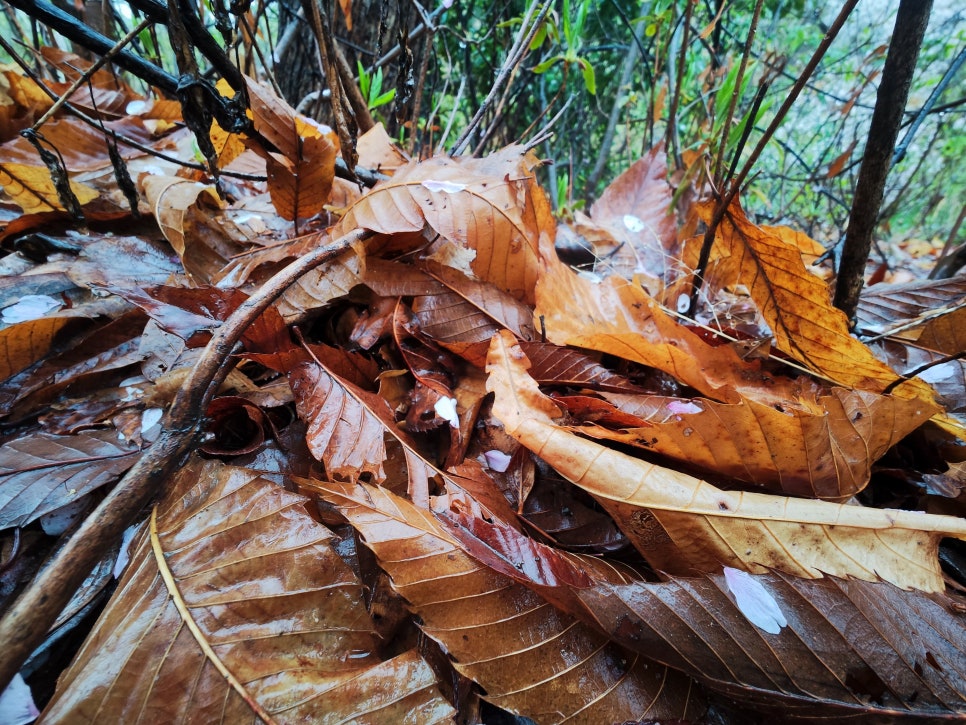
171,646
683,525
529,658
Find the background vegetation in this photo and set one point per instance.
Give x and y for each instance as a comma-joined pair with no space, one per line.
612,78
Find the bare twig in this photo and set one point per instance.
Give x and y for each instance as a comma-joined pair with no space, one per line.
89,73
516,53
26,623
671,132
722,207
735,95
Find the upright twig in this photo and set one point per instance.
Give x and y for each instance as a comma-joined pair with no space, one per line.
944,82
900,65
26,623
516,53
718,172
722,207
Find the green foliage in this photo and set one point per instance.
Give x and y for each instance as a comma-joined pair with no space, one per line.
615,71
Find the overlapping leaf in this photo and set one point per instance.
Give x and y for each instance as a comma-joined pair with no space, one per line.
684,525
844,648
529,657
489,211
41,472
796,305
818,447
284,633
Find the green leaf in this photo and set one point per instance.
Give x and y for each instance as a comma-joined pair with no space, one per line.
383,99
590,80
539,37
545,66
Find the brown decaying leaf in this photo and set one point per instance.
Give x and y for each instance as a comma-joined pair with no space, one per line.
186,211
683,525
846,649
343,431
25,343
619,318
40,472
636,209
300,175
319,287
465,315
286,619
529,657
490,209
884,306
817,448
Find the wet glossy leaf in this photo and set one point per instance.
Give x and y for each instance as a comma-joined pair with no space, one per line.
42,472
529,657
286,621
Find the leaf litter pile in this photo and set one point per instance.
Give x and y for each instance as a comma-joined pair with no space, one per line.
442,473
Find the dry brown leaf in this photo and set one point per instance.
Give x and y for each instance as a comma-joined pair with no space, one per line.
378,152
684,525
636,209
300,174
188,213
488,212
255,587
530,658
319,287
815,447
886,306
25,343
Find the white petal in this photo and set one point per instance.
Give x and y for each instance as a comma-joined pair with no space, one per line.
446,409
17,703
150,418
683,406
497,460
754,601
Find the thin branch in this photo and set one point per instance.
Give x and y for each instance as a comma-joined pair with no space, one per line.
25,624
735,95
944,82
528,29
722,207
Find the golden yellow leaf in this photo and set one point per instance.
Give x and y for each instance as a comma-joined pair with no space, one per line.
796,305
31,188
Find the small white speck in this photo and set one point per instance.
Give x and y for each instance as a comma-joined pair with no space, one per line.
633,223
450,187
